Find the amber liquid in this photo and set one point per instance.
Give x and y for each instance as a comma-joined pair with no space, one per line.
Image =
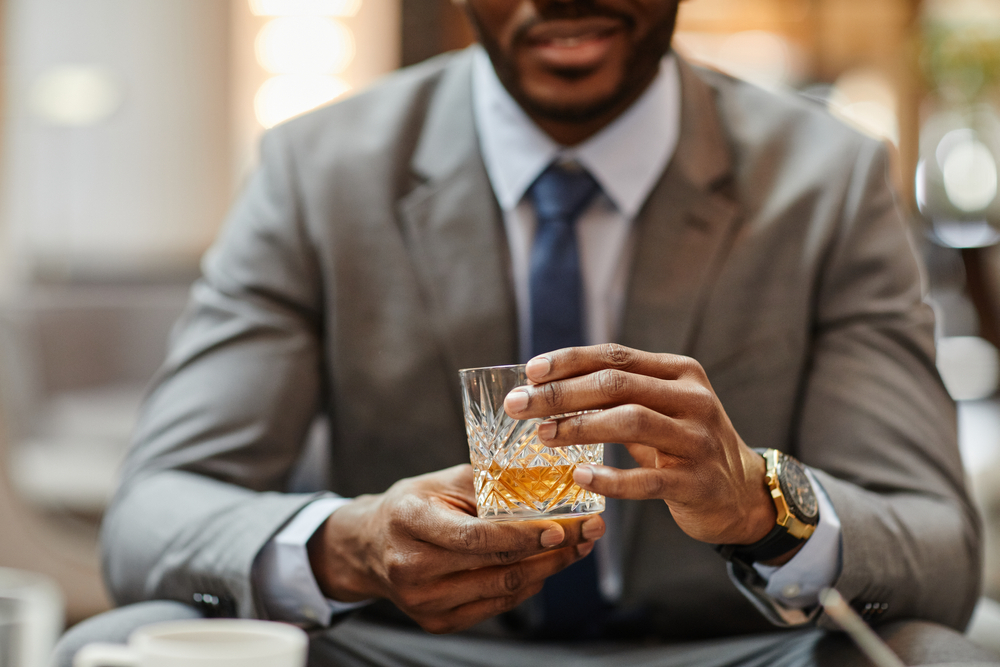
544,484
531,491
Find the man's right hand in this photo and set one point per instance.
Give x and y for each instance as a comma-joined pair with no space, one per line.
421,545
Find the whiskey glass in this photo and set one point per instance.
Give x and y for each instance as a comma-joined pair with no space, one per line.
516,476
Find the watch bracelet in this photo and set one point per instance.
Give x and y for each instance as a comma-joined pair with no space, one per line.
776,543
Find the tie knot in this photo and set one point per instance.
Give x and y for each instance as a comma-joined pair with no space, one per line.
561,192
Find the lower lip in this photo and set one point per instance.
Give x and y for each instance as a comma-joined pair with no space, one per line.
583,53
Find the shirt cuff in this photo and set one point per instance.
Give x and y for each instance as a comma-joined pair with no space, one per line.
789,594
284,577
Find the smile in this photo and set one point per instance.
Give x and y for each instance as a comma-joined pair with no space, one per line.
573,43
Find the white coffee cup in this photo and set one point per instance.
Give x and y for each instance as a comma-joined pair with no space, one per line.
203,643
31,617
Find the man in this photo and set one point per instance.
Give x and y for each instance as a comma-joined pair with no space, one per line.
744,250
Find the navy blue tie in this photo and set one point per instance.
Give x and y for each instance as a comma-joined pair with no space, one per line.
571,601
560,195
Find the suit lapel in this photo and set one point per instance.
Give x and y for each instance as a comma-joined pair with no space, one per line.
454,233
683,234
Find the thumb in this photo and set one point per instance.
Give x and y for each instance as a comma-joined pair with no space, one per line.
456,484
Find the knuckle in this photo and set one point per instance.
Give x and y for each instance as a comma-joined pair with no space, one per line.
409,598
686,363
576,423
612,383
471,537
552,394
505,557
403,514
398,567
634,420
692,367
616,356
701,399
651,485
512,581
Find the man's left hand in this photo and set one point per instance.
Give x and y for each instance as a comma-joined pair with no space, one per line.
663,409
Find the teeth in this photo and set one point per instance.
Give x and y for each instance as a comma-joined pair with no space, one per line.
567,41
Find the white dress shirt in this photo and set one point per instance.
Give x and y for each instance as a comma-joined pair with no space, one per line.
627,159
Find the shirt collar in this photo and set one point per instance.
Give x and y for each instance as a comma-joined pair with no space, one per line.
626,158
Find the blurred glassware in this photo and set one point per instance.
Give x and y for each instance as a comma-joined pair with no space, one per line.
958,172
957,176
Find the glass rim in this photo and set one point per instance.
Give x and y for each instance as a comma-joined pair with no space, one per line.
490,368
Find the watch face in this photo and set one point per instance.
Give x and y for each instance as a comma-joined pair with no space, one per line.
798,491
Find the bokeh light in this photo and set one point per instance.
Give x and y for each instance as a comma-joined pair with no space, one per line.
969,170
75,95
288,95
764,58
969,366
866,99
305,45
757,56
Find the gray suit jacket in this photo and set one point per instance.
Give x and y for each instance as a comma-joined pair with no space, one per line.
366,262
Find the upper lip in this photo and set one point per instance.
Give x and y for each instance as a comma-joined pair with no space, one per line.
575,28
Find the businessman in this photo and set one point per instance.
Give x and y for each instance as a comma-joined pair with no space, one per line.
722,272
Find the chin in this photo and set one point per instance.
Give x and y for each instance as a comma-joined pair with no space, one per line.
573,103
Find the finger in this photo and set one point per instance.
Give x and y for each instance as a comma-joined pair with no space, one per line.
643,455
473,613
632,484
438,560
574,361
627,423
458,532
469,614
494,583
610,388
455,484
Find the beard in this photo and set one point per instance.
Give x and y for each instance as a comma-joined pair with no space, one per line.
641,65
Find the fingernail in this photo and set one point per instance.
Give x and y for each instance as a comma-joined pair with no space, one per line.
538,367
552,537
517,400
584,549
583,475
592,529
547,430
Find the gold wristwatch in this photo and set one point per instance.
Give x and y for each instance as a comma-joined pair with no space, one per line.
798,511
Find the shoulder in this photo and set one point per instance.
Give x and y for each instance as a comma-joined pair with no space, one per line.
786,141
383,120
757,117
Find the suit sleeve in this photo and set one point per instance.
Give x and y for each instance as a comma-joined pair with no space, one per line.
227,416
878,426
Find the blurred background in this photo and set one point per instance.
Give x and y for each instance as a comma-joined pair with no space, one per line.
129,125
